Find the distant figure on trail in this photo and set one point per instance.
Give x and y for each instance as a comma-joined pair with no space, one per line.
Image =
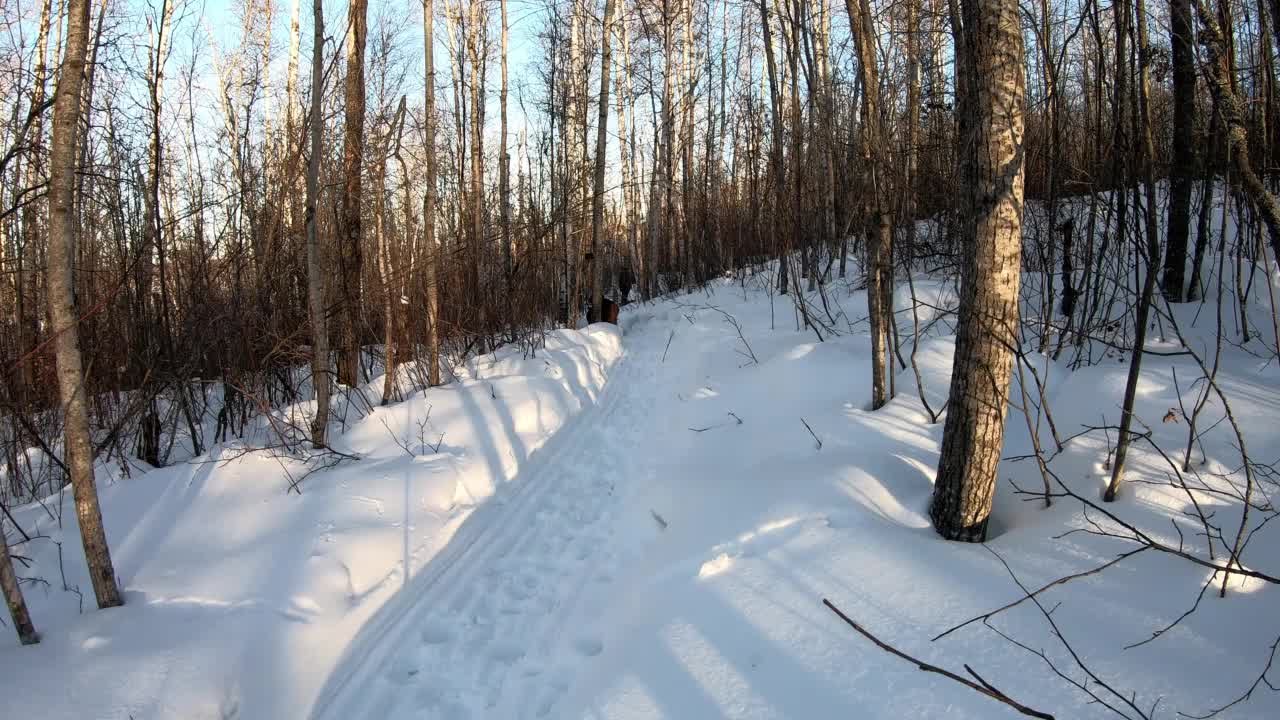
625,281
609,311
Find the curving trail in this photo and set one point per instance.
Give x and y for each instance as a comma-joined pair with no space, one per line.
494,626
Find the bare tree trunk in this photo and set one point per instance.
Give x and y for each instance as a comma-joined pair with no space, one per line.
63,226
1182,170
570,189
775,144
316,305
1152,257
291,77
626,148
880,235
686,149
476,31
27,634
910,141
504,180
387,267
292,142
25,318
828,109
667,176
991,62
351,251
429,200
595,259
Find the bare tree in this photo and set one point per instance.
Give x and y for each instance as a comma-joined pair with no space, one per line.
1182,170
350,249
318,310
63,227
992,64
504,172
595,259
432,260
879,269
27,634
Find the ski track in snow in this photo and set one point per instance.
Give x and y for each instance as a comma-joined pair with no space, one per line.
493,630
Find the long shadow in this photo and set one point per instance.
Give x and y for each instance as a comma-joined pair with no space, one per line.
164,515
396,616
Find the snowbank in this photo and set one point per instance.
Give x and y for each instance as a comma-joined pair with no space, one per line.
242,596
718,612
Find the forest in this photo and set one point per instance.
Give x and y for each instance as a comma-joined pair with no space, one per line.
241,228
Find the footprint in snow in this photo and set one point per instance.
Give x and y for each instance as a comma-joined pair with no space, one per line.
301,609
588,645
506,652
438,632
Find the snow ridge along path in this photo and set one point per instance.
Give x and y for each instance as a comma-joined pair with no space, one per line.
490,628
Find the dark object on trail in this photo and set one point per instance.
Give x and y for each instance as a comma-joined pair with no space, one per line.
610,314
610,311
625,281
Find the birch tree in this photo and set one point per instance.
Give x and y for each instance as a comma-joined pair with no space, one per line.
63,230
318,309
992,64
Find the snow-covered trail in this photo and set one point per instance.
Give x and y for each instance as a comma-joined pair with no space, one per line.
665,554
497,623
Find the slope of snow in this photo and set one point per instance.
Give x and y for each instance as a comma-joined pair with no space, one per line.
675,562
242,596
666,552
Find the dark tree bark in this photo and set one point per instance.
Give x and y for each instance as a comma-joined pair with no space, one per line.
429,200
1182,171
775,145
1152,255
350,251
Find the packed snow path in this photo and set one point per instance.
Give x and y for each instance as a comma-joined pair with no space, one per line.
493,626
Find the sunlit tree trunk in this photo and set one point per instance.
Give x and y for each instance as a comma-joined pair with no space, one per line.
63,230
991,62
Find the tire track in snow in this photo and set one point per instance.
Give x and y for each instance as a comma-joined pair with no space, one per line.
495,608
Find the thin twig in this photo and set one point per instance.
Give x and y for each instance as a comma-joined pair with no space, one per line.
985,688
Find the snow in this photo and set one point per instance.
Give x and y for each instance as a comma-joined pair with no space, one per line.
658,546
241,596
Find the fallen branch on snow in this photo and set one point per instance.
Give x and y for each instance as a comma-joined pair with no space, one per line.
985,687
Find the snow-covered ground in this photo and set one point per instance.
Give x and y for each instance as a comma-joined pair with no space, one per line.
657,546
241,596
